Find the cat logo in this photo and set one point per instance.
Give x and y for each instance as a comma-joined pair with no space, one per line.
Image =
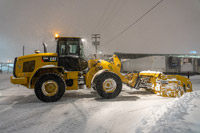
49,58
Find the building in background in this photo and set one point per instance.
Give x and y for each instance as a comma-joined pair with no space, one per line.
168,63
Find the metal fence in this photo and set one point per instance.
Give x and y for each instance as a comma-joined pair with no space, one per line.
6,67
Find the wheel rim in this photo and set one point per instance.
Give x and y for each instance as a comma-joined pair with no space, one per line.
109,85
49,88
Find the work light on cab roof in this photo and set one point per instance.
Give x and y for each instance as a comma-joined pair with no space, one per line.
56,35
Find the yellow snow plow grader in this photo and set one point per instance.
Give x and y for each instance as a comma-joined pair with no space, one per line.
50,74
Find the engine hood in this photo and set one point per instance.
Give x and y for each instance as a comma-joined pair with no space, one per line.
36,55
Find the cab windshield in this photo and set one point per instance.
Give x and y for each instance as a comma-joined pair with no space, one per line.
70,47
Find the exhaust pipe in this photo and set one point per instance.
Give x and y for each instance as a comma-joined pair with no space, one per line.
45,47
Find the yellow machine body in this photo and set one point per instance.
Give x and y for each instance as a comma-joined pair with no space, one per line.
40,67
36,62
95,65
164,85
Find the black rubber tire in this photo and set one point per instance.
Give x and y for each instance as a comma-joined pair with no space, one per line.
44,78
99,85
95,82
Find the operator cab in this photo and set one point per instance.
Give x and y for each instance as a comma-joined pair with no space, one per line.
70,53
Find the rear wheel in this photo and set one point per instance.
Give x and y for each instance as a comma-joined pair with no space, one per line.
108,85
49,88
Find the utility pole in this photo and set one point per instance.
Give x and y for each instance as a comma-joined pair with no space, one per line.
23,50
96,41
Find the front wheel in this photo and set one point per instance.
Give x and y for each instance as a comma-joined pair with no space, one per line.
49,87
108,85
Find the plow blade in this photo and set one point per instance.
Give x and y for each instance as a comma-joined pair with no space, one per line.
159,83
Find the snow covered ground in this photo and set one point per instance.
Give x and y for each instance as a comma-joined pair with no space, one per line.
84,111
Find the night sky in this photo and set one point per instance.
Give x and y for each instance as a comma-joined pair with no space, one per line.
172,27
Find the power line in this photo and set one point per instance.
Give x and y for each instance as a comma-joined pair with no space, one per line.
127,28
114,15
101,18
109,15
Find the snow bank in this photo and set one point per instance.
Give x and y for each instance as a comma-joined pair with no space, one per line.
169,117
193,118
